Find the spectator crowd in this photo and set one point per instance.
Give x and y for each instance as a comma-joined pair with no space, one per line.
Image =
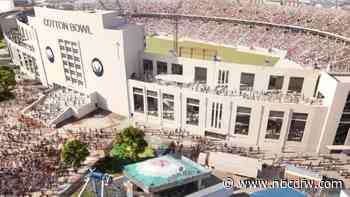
30,152
308,49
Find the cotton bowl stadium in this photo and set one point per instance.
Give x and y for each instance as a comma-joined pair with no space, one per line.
251,81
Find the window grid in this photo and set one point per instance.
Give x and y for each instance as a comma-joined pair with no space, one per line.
216,115
223,77
71,62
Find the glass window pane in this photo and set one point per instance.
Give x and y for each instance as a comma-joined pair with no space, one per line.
152,106
200,74
242,120
276,82
168,107
247,81
274,125
176,69
296,84
138,103
162,67
192,112
297,127
147,66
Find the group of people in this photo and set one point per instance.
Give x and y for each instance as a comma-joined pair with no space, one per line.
307,49
54,103
292,12
30,152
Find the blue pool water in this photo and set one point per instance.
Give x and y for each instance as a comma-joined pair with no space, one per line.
280,192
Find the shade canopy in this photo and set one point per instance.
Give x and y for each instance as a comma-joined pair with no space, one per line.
164,172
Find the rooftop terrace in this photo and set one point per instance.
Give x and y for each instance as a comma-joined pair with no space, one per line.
162,46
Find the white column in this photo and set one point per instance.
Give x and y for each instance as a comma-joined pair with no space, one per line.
284,136
199,184
129,189
160,108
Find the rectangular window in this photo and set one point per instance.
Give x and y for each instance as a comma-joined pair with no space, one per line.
200,74
147,66
162,67
345,118
168,106
274,125
242,120
176,69
216,115
297,127
276,82
247,81
223,77
341,134
192,111
138,100
72,61
295,84
152,103
347,104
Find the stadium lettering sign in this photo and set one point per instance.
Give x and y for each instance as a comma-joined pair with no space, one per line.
67,26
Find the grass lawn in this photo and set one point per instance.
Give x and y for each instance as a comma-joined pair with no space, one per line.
2,44
231,55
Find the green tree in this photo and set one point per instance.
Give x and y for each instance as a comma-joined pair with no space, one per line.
7,82
129,143
119,151
74,152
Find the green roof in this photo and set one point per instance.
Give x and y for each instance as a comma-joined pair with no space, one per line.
162,46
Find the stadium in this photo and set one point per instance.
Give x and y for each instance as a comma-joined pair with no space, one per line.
255,76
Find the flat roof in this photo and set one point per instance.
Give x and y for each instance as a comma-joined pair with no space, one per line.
338,147
343,79
303,172
162,46
164,172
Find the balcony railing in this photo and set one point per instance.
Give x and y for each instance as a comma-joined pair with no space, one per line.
271,96
16,37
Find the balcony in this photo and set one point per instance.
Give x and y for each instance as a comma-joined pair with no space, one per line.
15,36
270,96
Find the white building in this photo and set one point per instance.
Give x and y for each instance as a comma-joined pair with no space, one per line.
6,5
262,100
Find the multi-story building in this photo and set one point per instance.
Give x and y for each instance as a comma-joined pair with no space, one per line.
248,96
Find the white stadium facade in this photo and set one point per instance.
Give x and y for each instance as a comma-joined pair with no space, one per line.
276,105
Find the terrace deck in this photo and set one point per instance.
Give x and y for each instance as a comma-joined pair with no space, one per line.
162,46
